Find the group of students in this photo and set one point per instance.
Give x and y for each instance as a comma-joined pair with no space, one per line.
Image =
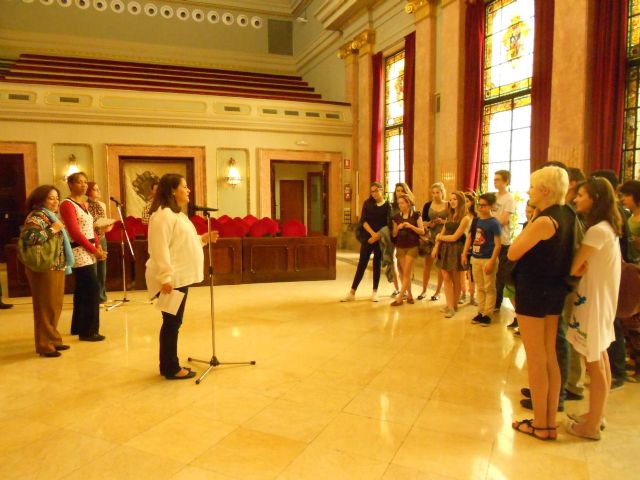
465,237
564,270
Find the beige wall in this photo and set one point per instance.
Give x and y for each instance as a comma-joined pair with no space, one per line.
46,135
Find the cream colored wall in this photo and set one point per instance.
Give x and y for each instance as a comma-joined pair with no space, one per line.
46,135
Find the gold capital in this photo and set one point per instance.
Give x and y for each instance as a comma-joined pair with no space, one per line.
360,41
421,8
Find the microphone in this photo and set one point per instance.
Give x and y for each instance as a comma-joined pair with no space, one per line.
203,209
115,201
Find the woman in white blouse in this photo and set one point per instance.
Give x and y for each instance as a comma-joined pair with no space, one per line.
175,261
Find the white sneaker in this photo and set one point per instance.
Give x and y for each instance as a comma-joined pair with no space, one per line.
374,297
349,298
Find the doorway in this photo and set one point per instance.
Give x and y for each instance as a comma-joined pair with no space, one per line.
12,198
299,192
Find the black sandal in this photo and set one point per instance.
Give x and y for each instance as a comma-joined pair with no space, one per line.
533,433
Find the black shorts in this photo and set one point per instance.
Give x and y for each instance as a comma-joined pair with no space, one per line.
539,297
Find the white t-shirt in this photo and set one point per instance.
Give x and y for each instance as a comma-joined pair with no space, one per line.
175,251
596,298
504,203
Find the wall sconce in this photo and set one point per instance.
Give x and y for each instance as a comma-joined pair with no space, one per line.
233,174
72,167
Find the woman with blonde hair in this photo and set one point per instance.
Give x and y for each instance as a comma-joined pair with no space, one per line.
434,216
591,331
448,251
407,228
544,251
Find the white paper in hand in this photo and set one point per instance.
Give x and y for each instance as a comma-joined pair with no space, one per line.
170,302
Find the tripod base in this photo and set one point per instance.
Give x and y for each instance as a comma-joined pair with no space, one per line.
214,362
122,301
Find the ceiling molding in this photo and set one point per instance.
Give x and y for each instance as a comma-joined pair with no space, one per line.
333,14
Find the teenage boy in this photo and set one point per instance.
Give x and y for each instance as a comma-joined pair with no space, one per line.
505,207
484,241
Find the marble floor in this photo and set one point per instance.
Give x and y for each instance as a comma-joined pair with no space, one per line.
354,390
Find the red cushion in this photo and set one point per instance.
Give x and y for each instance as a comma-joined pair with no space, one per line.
232,229
114,235
271,224
224,219
250,220
259,229
294,228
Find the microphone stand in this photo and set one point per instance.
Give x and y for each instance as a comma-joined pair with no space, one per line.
214,362
123,235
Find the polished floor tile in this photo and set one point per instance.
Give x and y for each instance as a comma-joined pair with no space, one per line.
340,391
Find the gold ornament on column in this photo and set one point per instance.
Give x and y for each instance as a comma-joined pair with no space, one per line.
359,42
421,8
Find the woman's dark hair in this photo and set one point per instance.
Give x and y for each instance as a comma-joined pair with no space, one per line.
164,196
37,198
73,178
631,187
90,186
604,205
406,191
472,209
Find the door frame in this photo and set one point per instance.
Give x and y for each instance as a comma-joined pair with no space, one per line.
323,176
333,183
29,159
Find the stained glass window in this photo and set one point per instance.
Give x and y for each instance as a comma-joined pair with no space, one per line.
506,122
631,139
393,168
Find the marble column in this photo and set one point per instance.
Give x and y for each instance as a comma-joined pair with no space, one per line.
424,106
568,134
449,129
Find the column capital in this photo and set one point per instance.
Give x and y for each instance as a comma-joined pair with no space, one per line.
421,8
359,42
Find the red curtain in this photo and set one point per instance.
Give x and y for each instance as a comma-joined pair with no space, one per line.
541,84
473,94
608,82
377,118
409,92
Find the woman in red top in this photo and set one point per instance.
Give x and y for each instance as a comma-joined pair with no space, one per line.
85,321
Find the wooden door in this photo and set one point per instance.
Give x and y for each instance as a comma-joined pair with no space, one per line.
292,200
12,198
316,204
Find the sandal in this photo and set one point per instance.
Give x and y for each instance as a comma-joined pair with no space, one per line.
533,432
410,300
579,419
397,303
435,298
422,296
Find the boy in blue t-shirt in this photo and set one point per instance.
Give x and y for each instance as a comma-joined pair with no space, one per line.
484,241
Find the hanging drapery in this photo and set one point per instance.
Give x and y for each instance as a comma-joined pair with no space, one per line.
409,94
377,118
541,83
473,93
608,84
